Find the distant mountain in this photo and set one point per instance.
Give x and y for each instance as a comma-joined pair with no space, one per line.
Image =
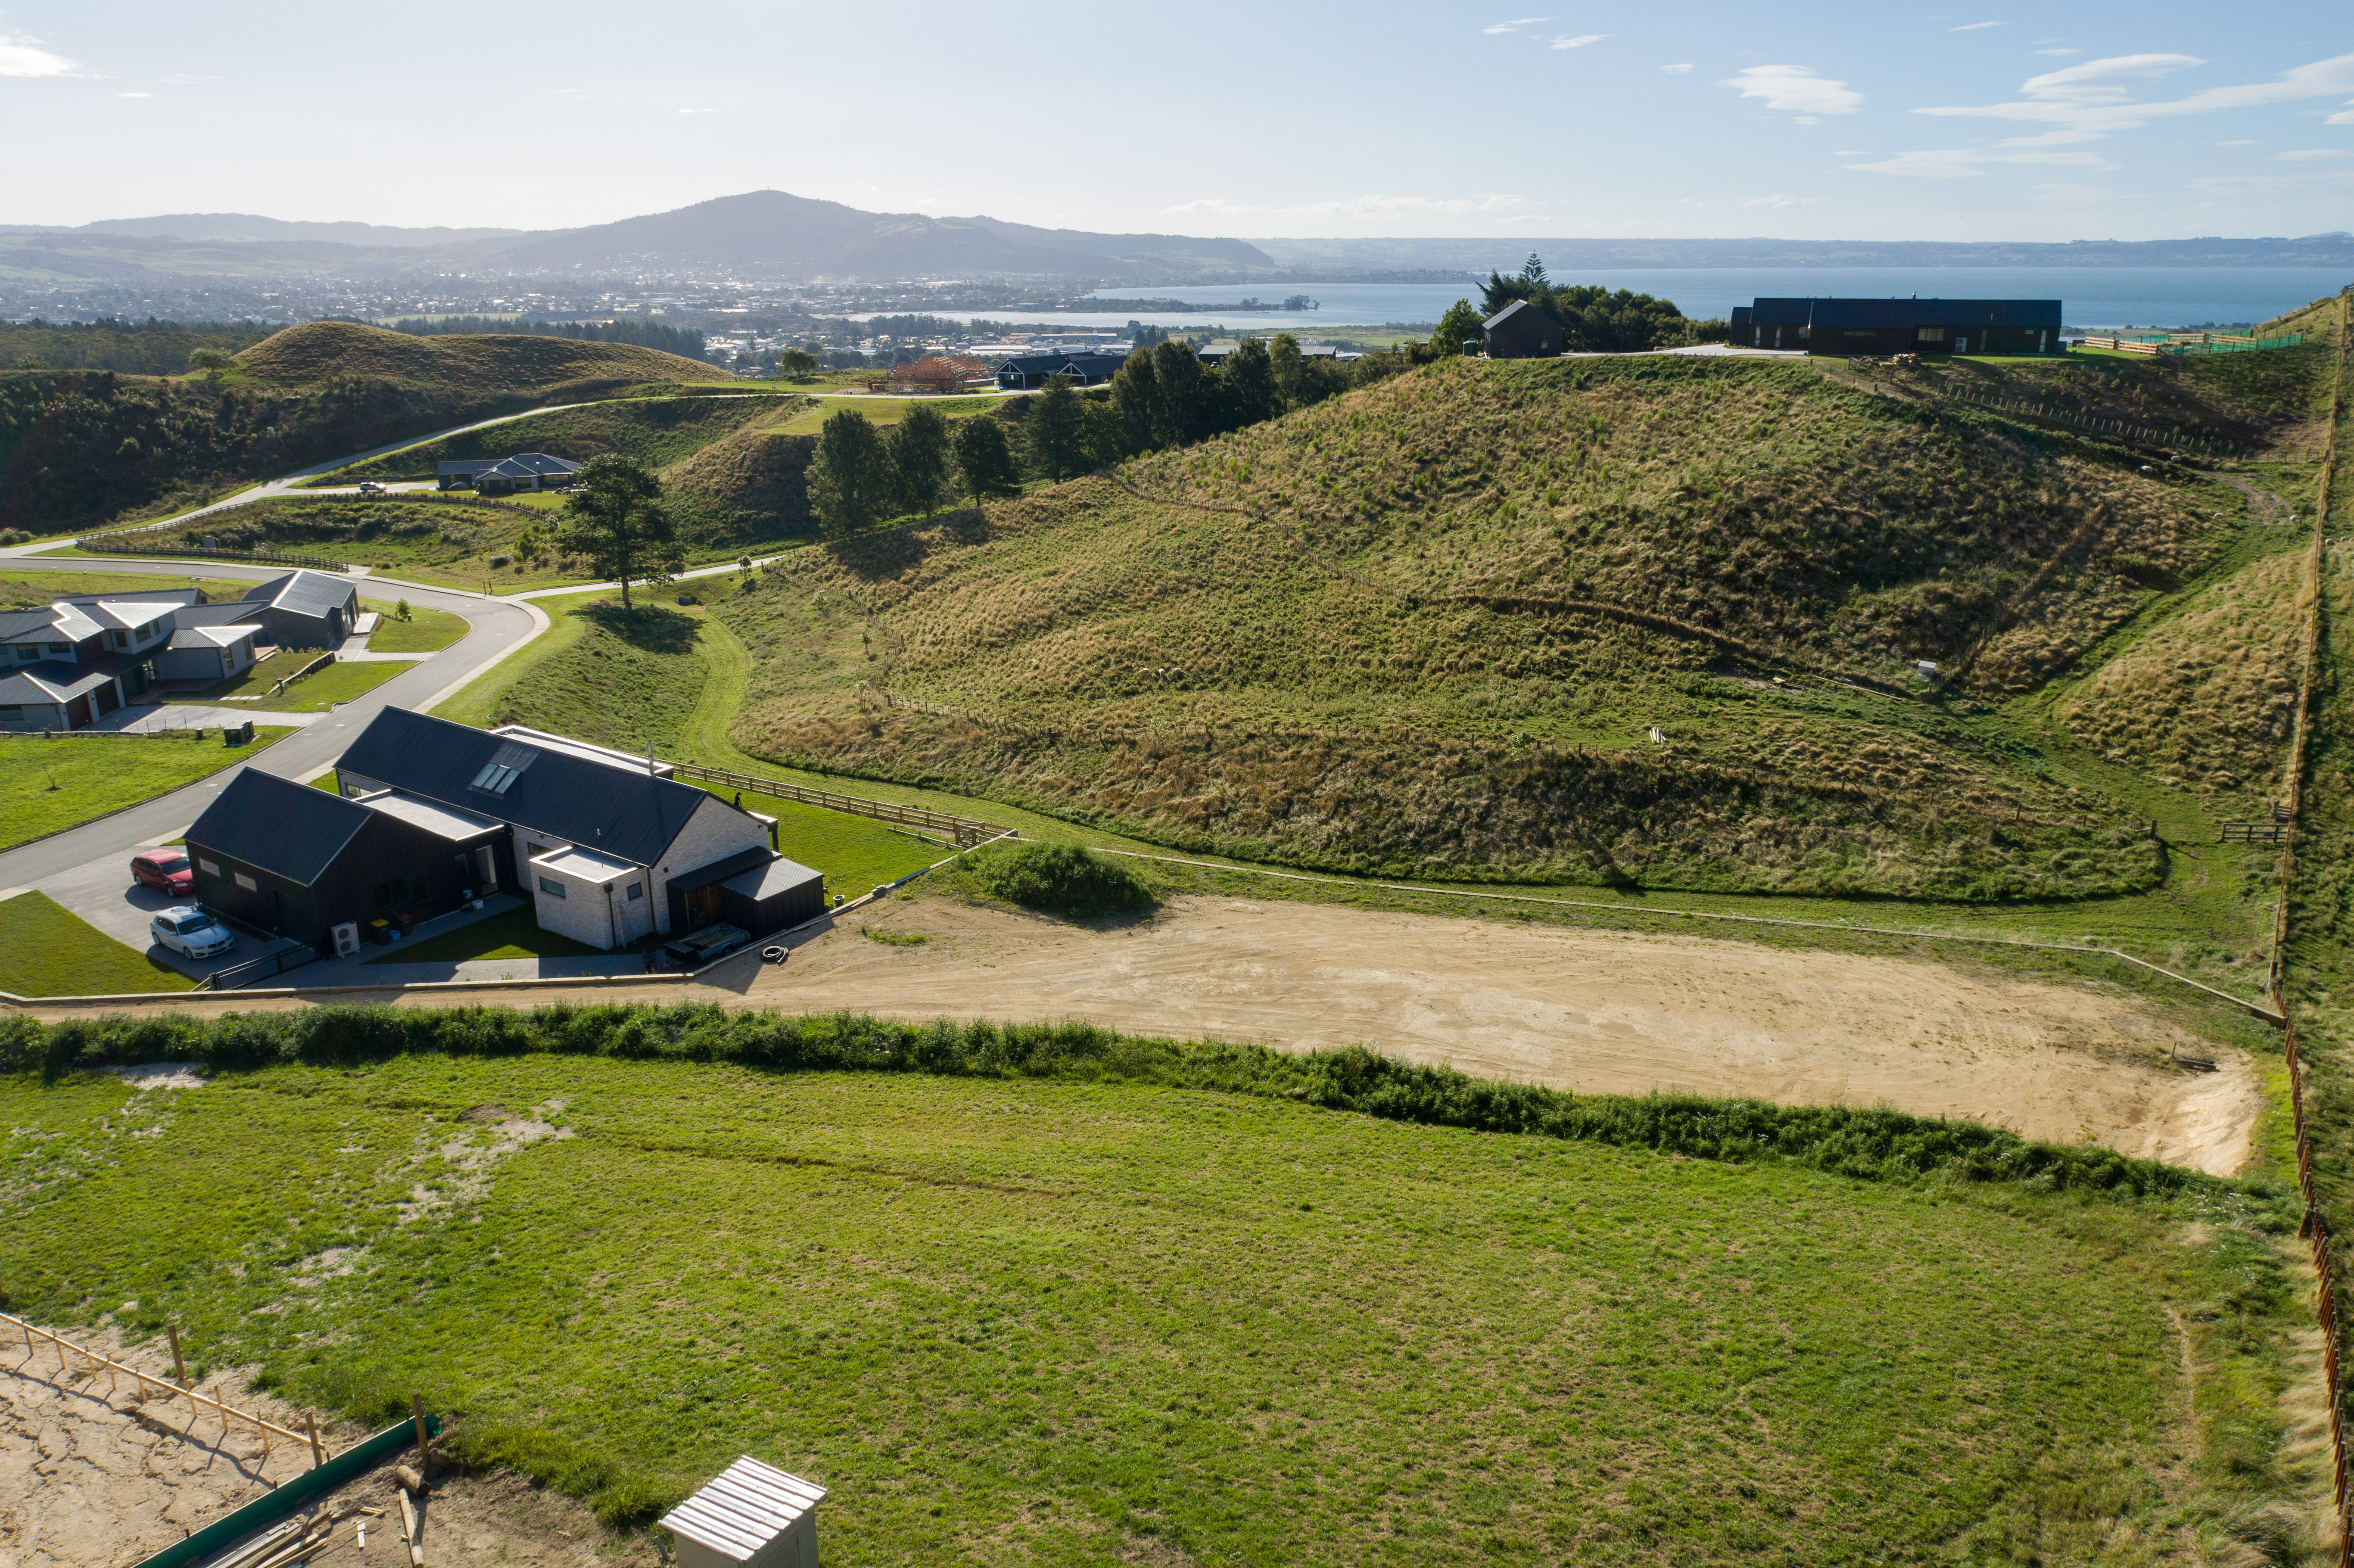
772,234
217,226
1352,255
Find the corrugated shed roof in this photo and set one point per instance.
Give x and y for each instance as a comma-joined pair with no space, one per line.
286,828
744,1508
593,804
777,877
720,869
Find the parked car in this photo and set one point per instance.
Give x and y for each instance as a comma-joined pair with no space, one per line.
185,928
711,942
166,869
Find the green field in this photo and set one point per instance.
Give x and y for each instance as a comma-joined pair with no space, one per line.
650,430
425,631
316,692
21,588
45,950
1028,1314
48,786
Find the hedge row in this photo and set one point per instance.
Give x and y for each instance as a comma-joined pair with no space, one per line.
1870,1144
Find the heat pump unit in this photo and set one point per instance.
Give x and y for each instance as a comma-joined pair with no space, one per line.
348,939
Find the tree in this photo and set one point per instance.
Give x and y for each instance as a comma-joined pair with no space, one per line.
616,519
211,361
1054,433
1178,393
1246,385
849,478
1459,326
796,363
918,450
985,462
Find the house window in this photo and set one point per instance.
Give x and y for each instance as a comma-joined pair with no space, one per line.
60,647
210,868
1933,335
247,883
637,890
11,711
552,888
391,893
532,851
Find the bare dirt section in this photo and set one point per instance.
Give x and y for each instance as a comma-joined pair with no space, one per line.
1597,1011
98,1478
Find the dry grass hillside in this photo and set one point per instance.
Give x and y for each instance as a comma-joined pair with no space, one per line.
1525,621
317,352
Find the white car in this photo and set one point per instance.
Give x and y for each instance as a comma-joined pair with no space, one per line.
187,929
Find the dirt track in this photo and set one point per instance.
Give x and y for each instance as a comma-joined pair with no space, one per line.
1598,1011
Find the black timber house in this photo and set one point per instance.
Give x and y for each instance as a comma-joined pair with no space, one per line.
1854,327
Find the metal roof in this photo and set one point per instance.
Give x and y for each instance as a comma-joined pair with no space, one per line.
212,636
304,592
130,614
592,752
21,623
286,828
720,869
1515,308
779,875
1899,313
592,803
440,820
586,865
743,1509
52,681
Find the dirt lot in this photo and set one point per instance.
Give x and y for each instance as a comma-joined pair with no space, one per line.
98,1478
1598,1011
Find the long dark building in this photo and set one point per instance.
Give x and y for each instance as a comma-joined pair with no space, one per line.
1847,327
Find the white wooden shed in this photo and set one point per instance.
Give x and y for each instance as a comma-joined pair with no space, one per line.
751,1515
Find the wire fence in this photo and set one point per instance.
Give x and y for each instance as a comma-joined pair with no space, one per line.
2181,439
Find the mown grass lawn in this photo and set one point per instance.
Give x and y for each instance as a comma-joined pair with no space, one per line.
510,934
314,693
21,588
1065,1322
48,786
425,631
45,950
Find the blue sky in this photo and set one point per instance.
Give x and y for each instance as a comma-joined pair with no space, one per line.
2013,122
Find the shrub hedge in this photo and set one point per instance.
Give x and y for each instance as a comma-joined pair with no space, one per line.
1870,1144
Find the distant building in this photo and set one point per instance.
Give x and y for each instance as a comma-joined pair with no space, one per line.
1521,330
1028,372
504,476
1852,327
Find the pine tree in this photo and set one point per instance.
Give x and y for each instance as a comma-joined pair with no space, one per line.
1054,443
985,462
849,478
616,519
918,450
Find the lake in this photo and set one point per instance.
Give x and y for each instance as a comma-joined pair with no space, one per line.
2091,296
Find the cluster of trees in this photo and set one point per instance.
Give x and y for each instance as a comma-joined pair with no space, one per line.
683,340
1594,319
150,348
861,474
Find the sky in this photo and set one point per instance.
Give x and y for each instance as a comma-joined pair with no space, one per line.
2047,122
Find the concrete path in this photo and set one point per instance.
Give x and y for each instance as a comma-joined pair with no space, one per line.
101,892
376,965
196,716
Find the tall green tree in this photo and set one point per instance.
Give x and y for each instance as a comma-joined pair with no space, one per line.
1054,433
850,478
918,449
1247,386
1178,393
1459,326
984,461
616,518
1134,397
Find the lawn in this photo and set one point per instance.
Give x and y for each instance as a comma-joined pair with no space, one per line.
48,786
425,631
854,852
1062,1322
316,693
45,950
881,411
510,934
26,590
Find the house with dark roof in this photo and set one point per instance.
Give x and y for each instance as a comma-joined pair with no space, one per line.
1521,330
607,847
66,664
1028,372
504,476
301,609
1878,327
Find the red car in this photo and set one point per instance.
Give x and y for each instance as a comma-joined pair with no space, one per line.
166,869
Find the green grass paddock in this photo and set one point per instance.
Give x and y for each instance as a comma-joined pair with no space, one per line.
48,786
45,950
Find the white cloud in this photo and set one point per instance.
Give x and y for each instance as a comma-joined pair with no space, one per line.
1677,70
2343,117
1779,200
134,95
2237,143
1352,206
2085,102
1976,26
1962,163
1795,87
23,56
1564,41
1516,24
2059,52
698,112
2311,154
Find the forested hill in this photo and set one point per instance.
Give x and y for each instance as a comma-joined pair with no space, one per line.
150,348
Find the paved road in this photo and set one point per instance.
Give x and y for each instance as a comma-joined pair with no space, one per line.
497,627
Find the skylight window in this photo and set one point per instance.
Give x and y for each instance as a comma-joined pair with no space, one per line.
495,777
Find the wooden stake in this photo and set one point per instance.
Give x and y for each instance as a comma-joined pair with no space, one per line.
424,1443
408,1528
318,1452
179,1369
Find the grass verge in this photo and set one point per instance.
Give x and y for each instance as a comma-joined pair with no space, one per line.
425,631
316,693
45,950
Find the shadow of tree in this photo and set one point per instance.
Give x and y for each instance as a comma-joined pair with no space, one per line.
888,552
654,628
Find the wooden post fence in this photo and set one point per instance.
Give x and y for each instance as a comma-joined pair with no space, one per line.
962,832
198,1400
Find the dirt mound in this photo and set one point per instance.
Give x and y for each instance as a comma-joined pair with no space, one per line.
315,352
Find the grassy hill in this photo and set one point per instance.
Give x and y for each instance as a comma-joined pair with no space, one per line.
1072,1299
655,431
317,352
1644,622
